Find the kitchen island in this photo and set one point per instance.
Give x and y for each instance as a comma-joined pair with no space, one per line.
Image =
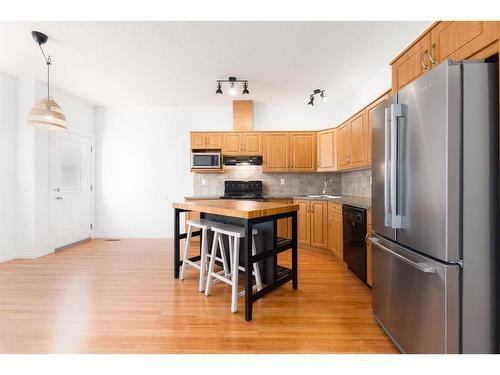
248,214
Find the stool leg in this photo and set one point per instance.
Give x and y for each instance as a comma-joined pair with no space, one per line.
223,255
212,262
186,251
256,268
203,260
234,278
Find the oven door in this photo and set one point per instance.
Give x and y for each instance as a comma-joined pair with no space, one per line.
205,160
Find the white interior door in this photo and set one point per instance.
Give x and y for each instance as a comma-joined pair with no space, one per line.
72,189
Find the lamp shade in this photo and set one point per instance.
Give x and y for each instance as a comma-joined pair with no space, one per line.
47,114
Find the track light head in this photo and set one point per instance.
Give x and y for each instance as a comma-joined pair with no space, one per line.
324,97
219,88
245,88
232,90
311,100
319,92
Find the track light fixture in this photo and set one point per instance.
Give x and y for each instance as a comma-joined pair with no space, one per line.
321,93
232,88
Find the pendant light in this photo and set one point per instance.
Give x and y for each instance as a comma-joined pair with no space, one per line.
46,113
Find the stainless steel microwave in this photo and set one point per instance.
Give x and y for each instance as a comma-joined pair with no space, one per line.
205,160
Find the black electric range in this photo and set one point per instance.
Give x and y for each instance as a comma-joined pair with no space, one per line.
245,190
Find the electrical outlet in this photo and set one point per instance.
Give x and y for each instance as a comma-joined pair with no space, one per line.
203,181
282,181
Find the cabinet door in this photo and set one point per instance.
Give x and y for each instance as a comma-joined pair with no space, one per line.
459,40
231,144
214,140
284,225
303,152
319,224
326,150
412,63
368,119
198,141
338,246
330,232
276,152
344,146
358,141
304,222
252,143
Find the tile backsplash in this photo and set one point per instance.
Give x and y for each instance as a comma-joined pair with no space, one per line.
273,183
356,183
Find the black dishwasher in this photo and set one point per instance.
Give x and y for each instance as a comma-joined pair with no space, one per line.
354,230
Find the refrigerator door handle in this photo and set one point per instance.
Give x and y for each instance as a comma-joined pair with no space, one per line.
420,266
397,111
387,170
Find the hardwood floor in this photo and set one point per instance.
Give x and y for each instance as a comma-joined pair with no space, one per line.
121,297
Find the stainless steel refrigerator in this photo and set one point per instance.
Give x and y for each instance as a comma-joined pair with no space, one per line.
435,211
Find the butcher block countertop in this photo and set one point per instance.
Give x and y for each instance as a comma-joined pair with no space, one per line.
237,208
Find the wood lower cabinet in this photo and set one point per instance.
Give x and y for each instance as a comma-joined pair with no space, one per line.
312,223
335,231
327,150
206,141
284,225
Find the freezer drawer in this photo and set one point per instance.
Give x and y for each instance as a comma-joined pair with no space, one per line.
415,299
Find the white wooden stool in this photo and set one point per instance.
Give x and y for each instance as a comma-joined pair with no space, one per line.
205,226
234,234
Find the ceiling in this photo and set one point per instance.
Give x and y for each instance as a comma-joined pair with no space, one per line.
178,63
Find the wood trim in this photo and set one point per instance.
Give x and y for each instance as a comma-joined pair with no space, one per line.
242,115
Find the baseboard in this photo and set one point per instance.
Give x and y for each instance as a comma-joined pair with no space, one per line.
6,257
124,236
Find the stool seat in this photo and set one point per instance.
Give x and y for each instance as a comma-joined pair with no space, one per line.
231,230
202,223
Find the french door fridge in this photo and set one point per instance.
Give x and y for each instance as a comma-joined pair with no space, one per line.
435,211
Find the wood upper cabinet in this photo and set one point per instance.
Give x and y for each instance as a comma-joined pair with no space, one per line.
231,144
411,63
327,150
276,149
303,152
335,229
368,119
252,143
206,140
344,145
242,143
319,224
358,141
304,221
460,40
289,152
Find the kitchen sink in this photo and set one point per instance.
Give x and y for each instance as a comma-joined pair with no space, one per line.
324,196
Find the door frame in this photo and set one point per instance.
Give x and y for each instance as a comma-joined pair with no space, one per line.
53,165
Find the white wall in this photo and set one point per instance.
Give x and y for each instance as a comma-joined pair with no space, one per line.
25,180
7,165
142,159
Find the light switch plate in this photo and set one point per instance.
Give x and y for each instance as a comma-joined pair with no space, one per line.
203,181
282,181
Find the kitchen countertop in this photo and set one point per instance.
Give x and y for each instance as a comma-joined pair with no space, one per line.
361,202
237,208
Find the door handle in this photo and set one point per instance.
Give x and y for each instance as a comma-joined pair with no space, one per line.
387,197
397,111
432,59
424,65
420,266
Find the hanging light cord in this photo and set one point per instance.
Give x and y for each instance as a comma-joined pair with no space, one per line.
48,61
